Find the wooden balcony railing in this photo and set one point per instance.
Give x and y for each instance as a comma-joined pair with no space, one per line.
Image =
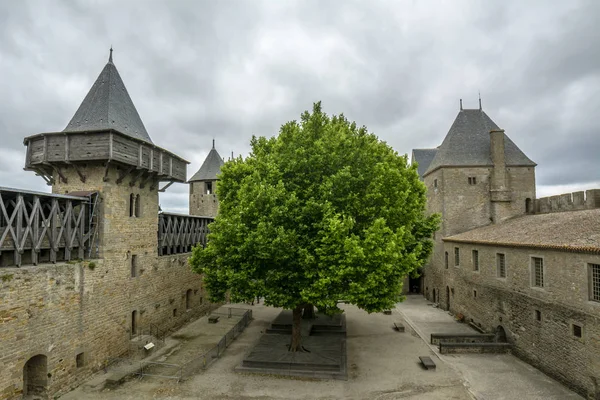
178,233
40,227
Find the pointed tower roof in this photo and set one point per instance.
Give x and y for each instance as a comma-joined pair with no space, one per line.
210,168
108,106
468,144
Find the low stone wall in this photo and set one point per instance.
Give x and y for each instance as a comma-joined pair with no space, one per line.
78,315
457,348
436,338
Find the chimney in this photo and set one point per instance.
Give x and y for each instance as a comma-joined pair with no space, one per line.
497,153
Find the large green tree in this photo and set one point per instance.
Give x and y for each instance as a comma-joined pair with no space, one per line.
324,211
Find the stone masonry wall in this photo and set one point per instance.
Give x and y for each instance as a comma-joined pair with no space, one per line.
201,203
86,307
549,344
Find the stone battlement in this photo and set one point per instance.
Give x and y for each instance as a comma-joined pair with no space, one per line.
568,202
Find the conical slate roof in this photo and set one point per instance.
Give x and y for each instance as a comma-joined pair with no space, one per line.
108,106
468,144
210,168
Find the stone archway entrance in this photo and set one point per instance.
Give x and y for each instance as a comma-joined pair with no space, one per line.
35,376
447,298
500,335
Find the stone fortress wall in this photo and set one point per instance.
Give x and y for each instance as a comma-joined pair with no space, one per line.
76,316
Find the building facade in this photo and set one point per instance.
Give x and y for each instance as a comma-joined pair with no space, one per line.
93,267
203,186
525,268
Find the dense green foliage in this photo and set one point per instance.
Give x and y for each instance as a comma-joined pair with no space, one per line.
324,211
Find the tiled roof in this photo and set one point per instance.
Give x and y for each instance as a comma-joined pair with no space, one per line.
577,231
108,106
468,144
210,168
423,157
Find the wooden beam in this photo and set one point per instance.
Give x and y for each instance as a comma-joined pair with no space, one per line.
123,173
146,179
136,177
79,172
166,186
106,167
59,172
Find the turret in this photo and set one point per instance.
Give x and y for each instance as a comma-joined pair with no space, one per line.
203,200
105,148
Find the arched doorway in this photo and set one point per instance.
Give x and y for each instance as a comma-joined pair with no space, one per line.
433,291
500,335
447,298
35,376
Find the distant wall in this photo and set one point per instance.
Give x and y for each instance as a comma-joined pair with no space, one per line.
569,201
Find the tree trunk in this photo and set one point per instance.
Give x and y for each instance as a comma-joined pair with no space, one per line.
308,312
296,344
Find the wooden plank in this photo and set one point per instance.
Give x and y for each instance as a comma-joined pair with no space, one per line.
89,147
35,222
55,150
110,146
67,148
53,235
19,228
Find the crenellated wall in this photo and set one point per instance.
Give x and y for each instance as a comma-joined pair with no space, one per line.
569,201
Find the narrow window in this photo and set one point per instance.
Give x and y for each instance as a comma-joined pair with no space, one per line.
138,205
528,208
446,259
501,265
474,294
538,315
79,360
174,312
131,204
191,187
538,272
456,256
577,330
134,323
133,266
188,299
472,180
475,260
209,188
435,183
594,273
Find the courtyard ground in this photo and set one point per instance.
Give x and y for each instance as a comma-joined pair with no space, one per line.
383,364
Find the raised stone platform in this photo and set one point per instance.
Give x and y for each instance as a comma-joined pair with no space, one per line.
324,337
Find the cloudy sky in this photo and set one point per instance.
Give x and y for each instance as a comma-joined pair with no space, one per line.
198,70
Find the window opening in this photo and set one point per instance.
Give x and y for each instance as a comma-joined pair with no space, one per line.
501,265
577,331
133,266
475,260
594,282
538,272
446,259
456,256
79,360
538,315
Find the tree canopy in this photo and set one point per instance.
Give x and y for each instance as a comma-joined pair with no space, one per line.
321,212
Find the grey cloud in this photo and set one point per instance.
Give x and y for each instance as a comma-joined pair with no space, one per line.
199,70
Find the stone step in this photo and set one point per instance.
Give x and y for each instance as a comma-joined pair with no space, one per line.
435,338
456,348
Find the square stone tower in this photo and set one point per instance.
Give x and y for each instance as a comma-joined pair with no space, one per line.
476,177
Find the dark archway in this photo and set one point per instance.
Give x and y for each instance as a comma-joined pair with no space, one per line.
447,298
500,335
414,285
528,207
35,376
434,299
188,299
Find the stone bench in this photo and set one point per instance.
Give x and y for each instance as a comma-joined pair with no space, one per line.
427,362
436,338
213,319
454,348
399,326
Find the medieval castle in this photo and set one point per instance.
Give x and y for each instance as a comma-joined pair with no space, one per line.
527,269
89,269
